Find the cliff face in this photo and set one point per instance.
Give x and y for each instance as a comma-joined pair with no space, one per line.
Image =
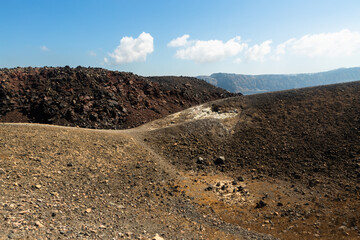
96,98
250,84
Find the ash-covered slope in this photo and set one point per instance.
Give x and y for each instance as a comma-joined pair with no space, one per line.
94,97
299,148
286,164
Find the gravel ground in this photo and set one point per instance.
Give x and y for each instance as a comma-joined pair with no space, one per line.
283,164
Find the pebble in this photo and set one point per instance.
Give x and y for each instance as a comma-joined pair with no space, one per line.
220,160
240,179
39,224
260,204
157,237
200,160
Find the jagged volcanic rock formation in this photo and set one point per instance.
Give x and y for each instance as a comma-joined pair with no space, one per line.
95,97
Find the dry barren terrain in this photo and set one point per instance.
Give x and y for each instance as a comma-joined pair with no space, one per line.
278,165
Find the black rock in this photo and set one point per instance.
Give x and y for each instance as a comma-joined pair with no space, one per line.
200,161
220,161
240,179
260,204
209,188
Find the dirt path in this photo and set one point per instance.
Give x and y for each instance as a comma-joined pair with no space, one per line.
80,183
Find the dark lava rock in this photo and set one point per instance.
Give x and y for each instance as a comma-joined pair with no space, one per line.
260,204
200,160
95,97
240,179
220,161
209,188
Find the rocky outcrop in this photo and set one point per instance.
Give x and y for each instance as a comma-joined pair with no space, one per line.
95,97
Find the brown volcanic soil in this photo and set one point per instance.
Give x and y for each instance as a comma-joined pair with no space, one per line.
61,182
298,151
290,168
96,98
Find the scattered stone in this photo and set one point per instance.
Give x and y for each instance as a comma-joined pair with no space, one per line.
313,182
157,237
343,227
260,204
69,165
240,179
209,188
220,160
200,160
88,210
39,224
120,206
37,186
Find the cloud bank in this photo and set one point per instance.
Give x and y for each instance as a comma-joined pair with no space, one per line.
258,52
343,43
131,50
206,51
336,44
179,42
215,50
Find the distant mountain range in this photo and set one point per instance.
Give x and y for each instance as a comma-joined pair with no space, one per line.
250,84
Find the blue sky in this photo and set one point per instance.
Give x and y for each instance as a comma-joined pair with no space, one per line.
182,37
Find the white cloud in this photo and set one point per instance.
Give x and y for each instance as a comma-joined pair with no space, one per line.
131,49
44,48
207,51
336,44
258,52
179,42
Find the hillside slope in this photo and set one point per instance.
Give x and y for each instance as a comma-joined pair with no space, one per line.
96,98
285,164
298,151
250,84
